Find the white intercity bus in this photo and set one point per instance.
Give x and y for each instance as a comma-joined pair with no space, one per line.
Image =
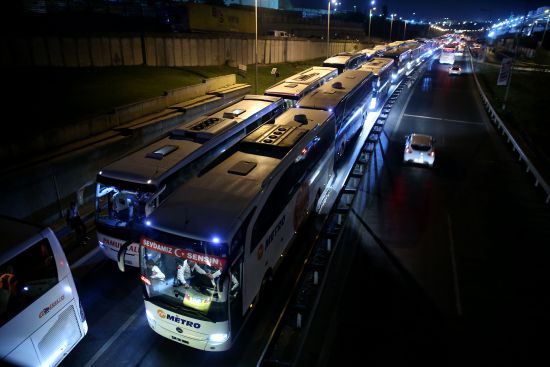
381,67
348,96
346,61
226,220
297,86
41,317
401,62
129,189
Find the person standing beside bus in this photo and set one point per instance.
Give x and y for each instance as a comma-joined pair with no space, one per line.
76,223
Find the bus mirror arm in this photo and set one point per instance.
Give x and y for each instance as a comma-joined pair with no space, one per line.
122,254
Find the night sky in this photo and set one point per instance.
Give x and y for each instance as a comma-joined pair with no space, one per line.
438,9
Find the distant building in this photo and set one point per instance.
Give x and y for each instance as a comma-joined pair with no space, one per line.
272,4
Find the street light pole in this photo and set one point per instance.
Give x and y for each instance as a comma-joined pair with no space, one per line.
405,29
256,44
328,30
391,24
370,18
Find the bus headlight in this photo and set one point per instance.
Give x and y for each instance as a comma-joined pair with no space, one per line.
150,318
218,338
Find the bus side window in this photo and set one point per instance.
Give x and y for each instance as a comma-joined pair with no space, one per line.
275,204
25,278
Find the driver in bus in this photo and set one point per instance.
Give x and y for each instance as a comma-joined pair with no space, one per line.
122,205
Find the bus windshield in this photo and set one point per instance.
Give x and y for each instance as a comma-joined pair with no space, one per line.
190,279
117,206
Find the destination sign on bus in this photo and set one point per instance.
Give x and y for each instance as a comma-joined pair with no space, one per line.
199,258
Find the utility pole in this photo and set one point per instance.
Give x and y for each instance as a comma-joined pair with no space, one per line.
391,24
328,30
256,45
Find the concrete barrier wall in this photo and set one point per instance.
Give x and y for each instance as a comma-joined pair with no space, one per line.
136,110
161,50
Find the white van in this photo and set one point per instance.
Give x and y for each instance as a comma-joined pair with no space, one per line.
277,33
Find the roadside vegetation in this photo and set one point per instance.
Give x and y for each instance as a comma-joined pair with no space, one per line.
51,97
527,105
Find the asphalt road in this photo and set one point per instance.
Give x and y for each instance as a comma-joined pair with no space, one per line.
449,265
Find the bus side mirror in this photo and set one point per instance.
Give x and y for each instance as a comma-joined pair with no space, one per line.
122,254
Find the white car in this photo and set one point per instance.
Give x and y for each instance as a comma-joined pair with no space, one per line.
455,70
419,149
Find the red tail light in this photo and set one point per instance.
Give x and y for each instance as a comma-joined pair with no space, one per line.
145,280
432,153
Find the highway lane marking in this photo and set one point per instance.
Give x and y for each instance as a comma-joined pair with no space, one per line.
115,336
403,111
453,263
442,119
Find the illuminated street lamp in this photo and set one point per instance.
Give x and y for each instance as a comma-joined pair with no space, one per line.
391,24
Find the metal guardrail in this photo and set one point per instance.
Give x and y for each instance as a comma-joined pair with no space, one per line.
295,321
495,119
